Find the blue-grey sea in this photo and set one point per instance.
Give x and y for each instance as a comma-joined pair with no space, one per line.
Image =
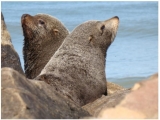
132,57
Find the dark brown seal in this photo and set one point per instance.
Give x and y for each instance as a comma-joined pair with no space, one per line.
77,69
9,57
43,34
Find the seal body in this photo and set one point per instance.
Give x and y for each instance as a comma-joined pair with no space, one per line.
9,57
43,34
77,69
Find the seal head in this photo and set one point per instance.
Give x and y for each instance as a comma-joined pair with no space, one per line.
43,34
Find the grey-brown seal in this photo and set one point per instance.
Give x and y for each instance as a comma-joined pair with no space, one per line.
43,34
9,57
77,69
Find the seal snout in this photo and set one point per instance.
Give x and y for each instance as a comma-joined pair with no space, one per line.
24,16
25,19
112,25
116,17
115,20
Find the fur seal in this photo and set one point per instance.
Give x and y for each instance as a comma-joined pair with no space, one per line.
77,69
43,34
9,57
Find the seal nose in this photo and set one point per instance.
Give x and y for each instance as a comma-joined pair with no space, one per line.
24,16
116,17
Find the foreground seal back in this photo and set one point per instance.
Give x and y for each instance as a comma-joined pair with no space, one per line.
77,69
43,34
9,57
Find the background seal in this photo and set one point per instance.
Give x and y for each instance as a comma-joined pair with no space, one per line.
43,34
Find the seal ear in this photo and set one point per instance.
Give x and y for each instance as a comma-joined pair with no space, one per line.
56,32
91,37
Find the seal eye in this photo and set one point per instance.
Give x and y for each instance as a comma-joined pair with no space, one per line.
41,22
102,28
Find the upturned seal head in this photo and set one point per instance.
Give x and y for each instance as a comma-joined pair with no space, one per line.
43,34
99,34
42,26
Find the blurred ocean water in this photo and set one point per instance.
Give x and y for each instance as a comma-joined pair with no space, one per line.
133,55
